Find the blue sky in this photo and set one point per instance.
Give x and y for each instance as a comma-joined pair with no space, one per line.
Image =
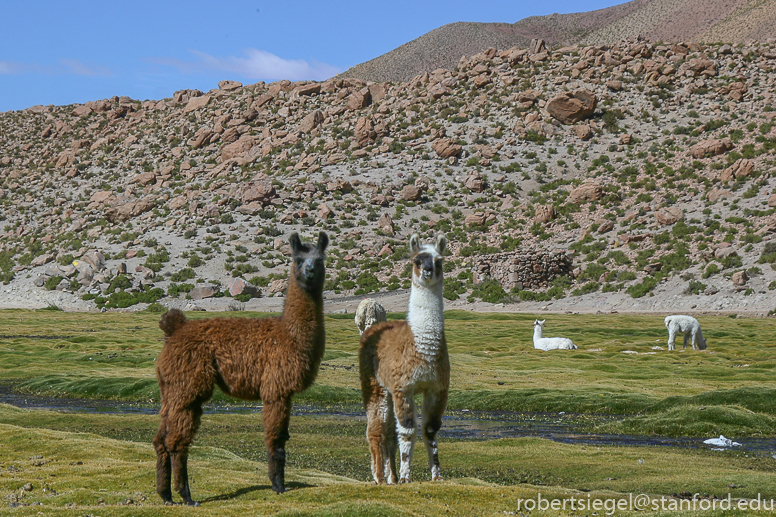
57,52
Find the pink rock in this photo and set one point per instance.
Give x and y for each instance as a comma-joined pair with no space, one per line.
238,286
571,107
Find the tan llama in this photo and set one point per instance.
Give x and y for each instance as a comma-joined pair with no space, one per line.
399,359
250,358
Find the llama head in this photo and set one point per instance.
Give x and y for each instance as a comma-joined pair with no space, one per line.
427,261
538,323
307,262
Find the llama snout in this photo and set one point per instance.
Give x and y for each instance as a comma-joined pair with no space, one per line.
308,269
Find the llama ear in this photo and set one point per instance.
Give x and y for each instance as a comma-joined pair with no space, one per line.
414,243
323,241
542,322
296,243
441,243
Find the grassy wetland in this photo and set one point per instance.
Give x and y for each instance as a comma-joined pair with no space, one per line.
617,382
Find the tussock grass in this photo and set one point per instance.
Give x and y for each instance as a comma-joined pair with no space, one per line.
99,470
494,367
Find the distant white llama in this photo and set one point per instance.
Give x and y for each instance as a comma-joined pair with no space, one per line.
689,327
368,313
550,343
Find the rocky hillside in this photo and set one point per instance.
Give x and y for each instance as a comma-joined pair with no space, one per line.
650,165
703,21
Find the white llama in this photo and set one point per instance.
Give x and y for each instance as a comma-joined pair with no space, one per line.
689,327
368,313
401,358
550,343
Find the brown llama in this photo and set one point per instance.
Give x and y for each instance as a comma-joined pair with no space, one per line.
398,359
250,358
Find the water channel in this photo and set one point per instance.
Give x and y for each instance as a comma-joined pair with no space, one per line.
460,425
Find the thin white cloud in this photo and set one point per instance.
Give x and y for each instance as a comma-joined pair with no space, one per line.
76,67
64,67
11,68
257,65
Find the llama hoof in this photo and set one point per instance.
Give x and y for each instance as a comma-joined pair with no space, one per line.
437,478
404,480
192,503
279,489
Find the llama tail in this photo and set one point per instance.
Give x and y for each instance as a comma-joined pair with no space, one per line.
171,321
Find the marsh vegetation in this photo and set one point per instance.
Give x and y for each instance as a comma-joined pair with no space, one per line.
103,464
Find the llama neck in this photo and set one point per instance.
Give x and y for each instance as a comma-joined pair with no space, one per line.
537,333
303,318
426,319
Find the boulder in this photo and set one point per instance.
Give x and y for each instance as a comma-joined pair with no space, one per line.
740,278
385,223
475,219
229,86
446,147
308,89
324,211
238,148
605,225
261,192
411,193
278,286
716,194
360,99
42,259
238,286
365,133
474,182
669,215
95,259
586,192
545,214
572,107
196,103
202,291
741,168
711,147
311,121
583,131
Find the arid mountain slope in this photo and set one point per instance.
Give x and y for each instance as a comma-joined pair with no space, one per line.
711,21
649,166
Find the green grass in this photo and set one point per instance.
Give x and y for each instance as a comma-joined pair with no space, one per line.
97,462
728,389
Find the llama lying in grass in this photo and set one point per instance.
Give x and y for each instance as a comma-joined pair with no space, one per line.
401,358
689,327
250,358
550,343
368,313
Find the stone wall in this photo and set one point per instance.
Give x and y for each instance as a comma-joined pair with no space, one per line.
534,270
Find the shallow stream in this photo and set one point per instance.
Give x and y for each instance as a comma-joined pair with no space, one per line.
460,425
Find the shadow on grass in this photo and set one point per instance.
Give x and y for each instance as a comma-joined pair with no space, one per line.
250,489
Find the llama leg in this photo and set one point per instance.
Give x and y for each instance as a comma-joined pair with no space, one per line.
686,339
433,408
404,406
381,435
671,338
390,443
178,444
163,466
276,416
376,400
